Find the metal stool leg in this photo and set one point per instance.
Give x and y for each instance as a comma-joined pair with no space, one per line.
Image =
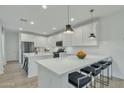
111,71
100,80
107,76
94,82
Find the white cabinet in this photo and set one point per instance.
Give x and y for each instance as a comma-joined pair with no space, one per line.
51,41
67,39
81,35
59,37
27,37
86,30
40,41
77,37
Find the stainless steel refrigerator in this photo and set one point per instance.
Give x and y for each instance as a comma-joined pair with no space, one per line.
26,47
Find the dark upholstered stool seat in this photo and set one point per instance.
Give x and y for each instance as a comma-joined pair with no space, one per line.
102,62
73,79
87,70
96,65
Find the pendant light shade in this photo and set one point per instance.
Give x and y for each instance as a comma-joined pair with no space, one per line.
68,28
92,35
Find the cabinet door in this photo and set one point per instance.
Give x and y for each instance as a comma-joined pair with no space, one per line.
81,35
27,37
67,39
77,37
59,37
40,41
51,41
87,29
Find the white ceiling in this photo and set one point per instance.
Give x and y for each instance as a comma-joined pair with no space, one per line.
53,16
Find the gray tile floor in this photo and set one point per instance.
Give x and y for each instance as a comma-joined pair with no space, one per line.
15,77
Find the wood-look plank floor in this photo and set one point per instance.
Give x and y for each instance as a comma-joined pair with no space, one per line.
15,77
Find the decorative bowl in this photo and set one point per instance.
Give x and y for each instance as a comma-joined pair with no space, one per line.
81,54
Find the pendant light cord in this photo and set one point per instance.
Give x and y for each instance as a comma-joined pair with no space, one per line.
68,13
92,10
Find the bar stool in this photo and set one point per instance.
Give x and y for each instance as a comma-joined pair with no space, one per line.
78,80
93,71
97,73
104,66
110,64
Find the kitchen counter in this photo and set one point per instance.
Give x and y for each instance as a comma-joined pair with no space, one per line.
35,55
54,72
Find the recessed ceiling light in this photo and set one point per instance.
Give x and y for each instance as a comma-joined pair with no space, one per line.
32,22
20,28
44,6
72,19
54,28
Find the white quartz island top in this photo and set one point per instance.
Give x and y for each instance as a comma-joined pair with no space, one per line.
67,64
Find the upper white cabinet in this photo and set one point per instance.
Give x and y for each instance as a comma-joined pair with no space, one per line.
67,39
51,41
86,30
59,37
81,35
77,37
40,41
27,37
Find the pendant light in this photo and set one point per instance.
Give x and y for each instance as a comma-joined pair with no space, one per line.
92,35
68,28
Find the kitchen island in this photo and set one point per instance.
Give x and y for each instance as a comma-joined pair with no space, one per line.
53,73
29,64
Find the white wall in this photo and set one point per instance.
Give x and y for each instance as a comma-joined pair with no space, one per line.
11,45
111,42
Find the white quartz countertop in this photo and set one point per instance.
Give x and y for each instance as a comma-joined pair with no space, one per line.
34,54
67,64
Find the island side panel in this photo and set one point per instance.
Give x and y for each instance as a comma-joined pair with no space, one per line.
49,79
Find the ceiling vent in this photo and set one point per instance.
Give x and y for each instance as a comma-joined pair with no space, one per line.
23,20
